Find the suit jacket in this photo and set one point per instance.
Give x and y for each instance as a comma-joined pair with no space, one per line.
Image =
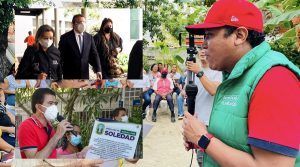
76,64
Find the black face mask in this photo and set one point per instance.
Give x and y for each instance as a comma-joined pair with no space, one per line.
107,30
163,75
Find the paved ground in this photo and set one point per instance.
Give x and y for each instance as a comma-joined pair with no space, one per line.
163,146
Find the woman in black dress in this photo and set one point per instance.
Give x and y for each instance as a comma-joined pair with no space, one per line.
109,45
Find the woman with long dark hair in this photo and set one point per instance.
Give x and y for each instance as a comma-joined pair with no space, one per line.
71,142
109,45
42,60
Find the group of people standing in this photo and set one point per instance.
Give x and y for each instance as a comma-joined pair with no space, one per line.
77,49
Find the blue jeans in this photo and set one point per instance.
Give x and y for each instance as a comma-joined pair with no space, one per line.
180,102
147,98
11,100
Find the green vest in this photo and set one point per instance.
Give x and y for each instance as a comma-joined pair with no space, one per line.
229,117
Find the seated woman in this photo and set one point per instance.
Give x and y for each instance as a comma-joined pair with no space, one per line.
71,144
7,126
4,146
11,84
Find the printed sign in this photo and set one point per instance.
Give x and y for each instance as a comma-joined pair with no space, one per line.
113,140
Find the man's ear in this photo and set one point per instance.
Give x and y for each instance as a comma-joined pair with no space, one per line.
38,107
241,35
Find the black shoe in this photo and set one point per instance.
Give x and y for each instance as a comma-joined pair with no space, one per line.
172,117
154,117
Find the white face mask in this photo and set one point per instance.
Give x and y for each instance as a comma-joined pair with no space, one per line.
46,43
51,112
124,118
81,27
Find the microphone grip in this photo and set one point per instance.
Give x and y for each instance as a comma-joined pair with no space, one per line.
61,118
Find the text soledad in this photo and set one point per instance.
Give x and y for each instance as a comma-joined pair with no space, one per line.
119,135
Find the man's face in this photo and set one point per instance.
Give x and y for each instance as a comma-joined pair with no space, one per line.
219,49
78,20
49,100
120,115
202,56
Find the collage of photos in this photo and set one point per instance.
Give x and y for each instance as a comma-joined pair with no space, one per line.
137,83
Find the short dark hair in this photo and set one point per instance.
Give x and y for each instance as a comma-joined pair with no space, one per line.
39,95
116,111
75,16
254,38
151,68
29,32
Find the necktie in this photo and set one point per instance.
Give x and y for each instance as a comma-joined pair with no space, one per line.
80,43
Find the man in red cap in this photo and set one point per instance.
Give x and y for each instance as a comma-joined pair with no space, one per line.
256,110
163,88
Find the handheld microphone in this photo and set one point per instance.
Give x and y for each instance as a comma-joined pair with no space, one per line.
60,118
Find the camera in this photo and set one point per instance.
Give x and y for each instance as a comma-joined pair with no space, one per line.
191,50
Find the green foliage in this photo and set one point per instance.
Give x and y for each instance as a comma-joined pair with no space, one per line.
119,4
23,97
146,63
152,18
6,11
287,16
123,59
136,115
282,12
162,18
169,56
289,49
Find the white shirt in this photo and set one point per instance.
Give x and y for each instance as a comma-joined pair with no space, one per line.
77,39
145,83
174,76
204,101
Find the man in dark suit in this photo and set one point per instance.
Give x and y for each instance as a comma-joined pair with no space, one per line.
78,50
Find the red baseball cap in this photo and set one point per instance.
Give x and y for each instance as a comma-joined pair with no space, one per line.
237,13
164,70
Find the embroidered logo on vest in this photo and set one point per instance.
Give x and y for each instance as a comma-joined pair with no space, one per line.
230,100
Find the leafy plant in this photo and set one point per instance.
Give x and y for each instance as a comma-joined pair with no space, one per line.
168,56
289,49
123,59
279,26
146,63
